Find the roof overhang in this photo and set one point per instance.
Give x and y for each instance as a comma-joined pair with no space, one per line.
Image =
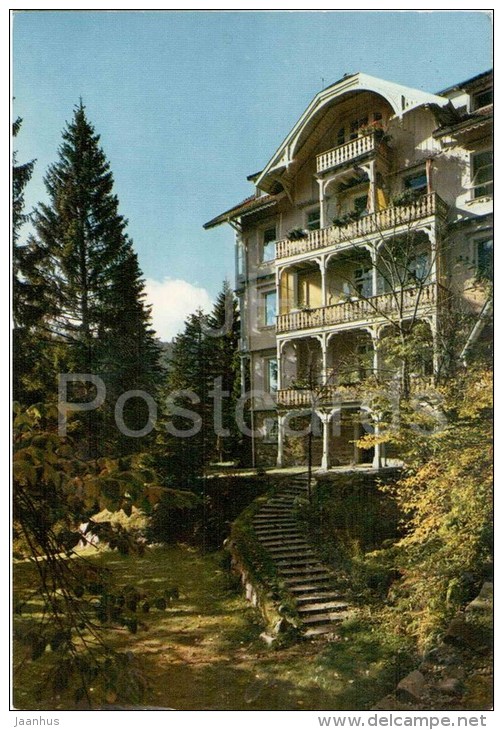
402,99
253,204
466,126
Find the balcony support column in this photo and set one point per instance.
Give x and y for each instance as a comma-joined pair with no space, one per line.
370,169
279,356
322,263
377,461
323,203
281,433
375,333
433,276
323,340
373,256
325,419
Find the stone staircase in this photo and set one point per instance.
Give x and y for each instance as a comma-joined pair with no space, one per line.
320,605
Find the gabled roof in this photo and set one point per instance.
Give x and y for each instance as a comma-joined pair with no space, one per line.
401,99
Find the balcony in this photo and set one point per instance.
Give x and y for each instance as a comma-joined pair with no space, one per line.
328,395
368,225
359,310
348,151
335,394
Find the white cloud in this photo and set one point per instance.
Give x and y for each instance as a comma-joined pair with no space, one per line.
172,301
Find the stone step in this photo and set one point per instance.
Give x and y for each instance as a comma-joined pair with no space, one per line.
311,583
300,571
298,542
278,532
275,512
265,520
276,508
330,606
293,560
322,630
294,553
280,539
283,541
326,617
327,595
276,527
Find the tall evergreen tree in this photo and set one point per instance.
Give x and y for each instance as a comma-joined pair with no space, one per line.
28,302
205,362
189,385
223,344
96,313
21,175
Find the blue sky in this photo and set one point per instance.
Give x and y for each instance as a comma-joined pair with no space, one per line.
189,103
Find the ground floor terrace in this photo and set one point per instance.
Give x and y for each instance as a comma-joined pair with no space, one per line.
325,437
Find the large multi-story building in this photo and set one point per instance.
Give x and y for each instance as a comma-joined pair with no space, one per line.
376,209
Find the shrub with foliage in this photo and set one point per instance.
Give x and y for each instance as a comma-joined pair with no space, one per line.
54,490
446,496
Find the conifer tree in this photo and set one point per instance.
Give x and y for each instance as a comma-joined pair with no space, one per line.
189,386
223,345
96,314
29,300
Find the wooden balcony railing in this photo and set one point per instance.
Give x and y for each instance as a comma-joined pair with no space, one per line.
368,225
330,394
359,310
348,151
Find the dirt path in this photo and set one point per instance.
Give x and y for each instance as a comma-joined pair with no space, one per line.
204,652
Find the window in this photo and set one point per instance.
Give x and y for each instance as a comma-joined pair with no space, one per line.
272,374
360,205
482,174
353,129
482,99
313,220
355,126
270,308
341,136
365,359
270,431
418,268
363,281
416,183
484,253
269,244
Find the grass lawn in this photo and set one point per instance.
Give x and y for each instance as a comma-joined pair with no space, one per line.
204,651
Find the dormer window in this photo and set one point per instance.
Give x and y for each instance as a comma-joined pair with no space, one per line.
482,99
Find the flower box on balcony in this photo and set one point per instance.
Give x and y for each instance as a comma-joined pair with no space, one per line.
346,219
296,234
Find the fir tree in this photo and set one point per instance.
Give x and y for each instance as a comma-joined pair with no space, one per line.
29,293
189,386
223,345
21,175
96,315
